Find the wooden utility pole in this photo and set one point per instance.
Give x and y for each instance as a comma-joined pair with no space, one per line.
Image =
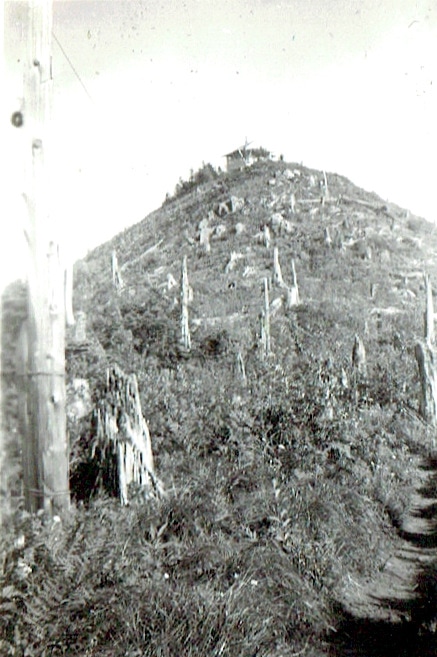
45,452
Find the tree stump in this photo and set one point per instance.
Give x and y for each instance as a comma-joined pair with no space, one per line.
123,432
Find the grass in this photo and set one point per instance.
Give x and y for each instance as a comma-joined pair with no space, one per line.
265,515
278,488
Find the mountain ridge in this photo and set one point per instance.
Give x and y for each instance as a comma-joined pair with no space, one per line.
289,475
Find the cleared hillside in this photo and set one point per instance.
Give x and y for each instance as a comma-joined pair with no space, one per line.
284,488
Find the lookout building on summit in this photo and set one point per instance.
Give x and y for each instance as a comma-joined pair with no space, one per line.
244,157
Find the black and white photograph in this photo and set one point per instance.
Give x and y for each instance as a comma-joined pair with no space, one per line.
218,296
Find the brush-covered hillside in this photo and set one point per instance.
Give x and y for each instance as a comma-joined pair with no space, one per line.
285,473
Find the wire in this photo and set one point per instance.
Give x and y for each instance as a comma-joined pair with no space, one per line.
72,67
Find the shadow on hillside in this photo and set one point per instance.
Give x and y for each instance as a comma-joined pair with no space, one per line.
370,638
416,636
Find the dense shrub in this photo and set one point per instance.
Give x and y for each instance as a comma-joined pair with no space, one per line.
206,173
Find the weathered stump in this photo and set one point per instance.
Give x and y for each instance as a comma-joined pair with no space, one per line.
123,432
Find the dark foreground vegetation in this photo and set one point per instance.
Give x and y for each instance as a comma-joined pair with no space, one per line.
280,486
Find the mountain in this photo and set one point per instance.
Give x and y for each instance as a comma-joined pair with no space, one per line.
342,249
287,474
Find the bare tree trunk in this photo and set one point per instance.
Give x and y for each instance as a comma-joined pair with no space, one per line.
293,291
117,280
241,368
204,235
185,329
359,368
426,357
325,194
429,312
293,274
325,178
265,321
277,273
427,363
266,233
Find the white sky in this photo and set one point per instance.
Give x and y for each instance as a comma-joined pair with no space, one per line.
343,85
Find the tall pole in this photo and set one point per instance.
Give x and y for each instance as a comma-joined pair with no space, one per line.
45,448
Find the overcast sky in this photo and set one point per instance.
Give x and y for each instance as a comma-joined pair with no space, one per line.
343,85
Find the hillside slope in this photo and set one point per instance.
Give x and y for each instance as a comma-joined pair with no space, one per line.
284,485
372,243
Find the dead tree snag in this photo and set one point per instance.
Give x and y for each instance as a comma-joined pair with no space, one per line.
426,357
265,322
427,364
117,280
185,292
277,273
359,356
293,291
429,313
